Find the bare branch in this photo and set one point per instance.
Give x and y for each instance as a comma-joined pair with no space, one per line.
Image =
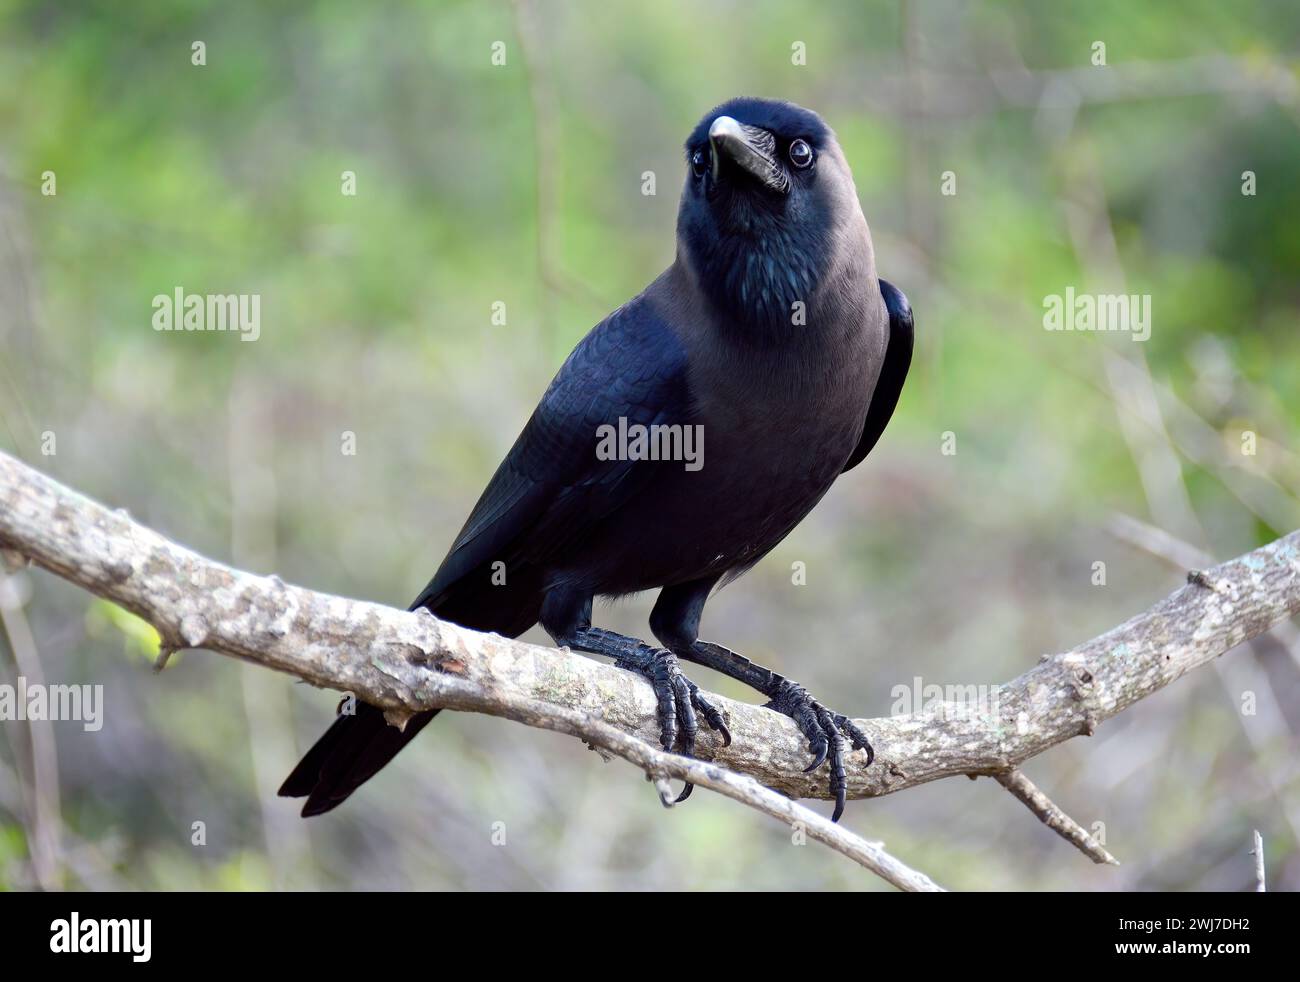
965,95
1053,817
406,662
659,766
401,661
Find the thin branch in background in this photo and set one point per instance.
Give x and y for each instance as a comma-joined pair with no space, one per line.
43,810
1205,446
969,95
1170,549
546,125
1258,853
250,455
1053,817
90,862
21,312
1254,486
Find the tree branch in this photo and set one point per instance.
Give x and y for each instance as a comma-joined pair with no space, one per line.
1051,815
406,662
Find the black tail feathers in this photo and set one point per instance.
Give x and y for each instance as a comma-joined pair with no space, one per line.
349,753
356,747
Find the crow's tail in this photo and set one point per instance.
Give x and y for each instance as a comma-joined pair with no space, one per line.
349,754
357,746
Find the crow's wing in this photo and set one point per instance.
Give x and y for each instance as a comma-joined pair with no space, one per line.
551,487
898,358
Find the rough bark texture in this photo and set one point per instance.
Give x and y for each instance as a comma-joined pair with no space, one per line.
409,661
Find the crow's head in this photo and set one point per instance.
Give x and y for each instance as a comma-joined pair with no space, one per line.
768,208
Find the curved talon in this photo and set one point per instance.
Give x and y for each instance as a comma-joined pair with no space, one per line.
686,793
840,796
860,741
839,784
710,713
726,733
821,749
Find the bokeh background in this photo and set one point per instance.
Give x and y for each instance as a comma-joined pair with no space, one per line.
522,184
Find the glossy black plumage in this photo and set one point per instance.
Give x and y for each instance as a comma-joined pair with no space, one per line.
772,334
893,373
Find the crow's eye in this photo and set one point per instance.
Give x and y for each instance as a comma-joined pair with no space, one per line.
801,154
699,163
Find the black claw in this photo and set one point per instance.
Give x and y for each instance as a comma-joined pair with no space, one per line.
820,749
860,741
823,731
677,700
710,714
839,785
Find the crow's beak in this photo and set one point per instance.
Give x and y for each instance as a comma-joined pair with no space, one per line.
750,148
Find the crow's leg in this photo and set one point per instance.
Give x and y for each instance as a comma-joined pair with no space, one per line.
675,621
567,618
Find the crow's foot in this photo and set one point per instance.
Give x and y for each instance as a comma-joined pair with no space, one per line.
825,731
679,701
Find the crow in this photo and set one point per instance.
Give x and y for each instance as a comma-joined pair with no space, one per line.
766,359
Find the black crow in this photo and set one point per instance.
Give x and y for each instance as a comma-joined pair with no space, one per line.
763,363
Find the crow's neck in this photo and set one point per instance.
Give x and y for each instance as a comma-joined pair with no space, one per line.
764,285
